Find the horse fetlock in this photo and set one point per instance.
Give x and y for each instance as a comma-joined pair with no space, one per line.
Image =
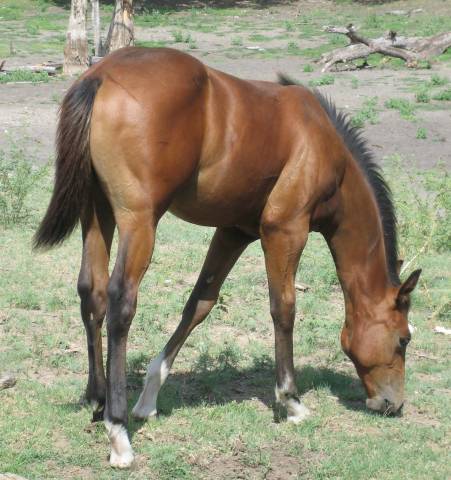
121,451
296,410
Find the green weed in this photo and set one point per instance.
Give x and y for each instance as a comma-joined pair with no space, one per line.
23,76
308,68
405,108
422,96
17,178
368,113
444,95
438,81
421,133
326,79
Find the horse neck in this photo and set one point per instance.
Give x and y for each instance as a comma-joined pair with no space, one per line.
357,243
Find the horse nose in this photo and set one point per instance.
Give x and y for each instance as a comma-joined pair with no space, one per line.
390,408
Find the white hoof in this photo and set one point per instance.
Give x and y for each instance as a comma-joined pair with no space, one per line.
301,415
121,461
297,412
121,451
143,412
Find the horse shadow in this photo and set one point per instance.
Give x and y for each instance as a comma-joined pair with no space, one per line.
226,383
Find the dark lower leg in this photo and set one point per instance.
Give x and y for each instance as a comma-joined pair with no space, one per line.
98,229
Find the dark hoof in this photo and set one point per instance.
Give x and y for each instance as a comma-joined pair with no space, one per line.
97,416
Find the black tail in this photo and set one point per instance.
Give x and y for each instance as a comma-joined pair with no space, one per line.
73,176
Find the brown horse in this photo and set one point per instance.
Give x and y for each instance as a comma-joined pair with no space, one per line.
150,130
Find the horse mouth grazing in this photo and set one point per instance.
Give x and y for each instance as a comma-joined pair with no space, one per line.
384,406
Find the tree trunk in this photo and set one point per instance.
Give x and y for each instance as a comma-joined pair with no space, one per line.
96,28
120,33
76,49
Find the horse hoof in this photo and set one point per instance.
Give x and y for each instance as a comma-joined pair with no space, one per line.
121,461
142,413
299,415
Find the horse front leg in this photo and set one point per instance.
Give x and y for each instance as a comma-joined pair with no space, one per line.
226,247
136,242
283,245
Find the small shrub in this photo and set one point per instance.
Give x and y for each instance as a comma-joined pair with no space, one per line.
308,68
438,81
32,28
424,209
422,96
422,133
177,36
17,179
366,113
444,95
355,83
404,107
289,26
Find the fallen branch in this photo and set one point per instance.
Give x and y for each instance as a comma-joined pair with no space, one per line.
301,287
411,50
7,381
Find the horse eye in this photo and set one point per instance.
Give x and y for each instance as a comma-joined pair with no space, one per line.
404,341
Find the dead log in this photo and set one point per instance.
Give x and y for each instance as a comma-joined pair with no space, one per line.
411,50
7,381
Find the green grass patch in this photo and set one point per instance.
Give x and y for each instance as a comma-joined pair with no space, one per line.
368,113
405,108
326,79
421,133
23,76
444,95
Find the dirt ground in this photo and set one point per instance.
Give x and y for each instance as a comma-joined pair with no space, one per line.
29,111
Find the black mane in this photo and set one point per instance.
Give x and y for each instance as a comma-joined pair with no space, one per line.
358,146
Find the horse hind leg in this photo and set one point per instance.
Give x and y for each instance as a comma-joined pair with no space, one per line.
97,230
226,247
136,242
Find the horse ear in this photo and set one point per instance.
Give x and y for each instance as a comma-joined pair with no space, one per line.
399,263
409,284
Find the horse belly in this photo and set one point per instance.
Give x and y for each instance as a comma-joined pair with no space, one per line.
222,201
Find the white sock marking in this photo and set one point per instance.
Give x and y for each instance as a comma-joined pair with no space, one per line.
296,410
121,450
157,373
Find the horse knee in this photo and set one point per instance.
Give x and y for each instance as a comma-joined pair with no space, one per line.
283,311
121,306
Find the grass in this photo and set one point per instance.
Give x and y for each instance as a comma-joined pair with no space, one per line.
326,79
444,95
368,113
23,76
405,108
421,133
216,409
